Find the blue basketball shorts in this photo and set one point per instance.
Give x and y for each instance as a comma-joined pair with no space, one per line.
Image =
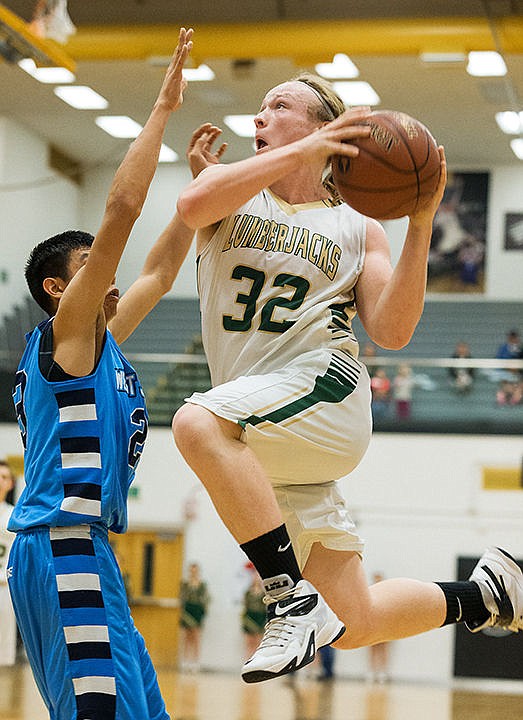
88,659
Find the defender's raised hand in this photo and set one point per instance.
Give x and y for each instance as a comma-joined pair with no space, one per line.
171,92
199,153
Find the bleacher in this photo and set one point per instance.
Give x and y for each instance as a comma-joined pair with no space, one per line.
437,407
13,327
173,327
482,324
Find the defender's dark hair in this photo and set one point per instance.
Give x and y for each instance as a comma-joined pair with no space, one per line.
50,258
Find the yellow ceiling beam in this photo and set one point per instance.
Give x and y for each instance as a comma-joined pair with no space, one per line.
307,42
17,34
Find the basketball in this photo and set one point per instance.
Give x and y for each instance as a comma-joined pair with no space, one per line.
397,168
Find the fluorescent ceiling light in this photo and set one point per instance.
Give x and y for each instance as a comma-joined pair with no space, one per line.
517,147
510,122
119,126
242,125
202,73
340,67
81,97
486,64
50,75
442,57
167,155
356,93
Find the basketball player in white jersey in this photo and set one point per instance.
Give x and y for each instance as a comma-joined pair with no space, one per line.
7,616
283,266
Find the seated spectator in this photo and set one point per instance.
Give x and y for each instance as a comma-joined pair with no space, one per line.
462,377
402,389
511,349
380,388
510,392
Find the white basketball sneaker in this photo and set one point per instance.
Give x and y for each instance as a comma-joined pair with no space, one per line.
299,622
500,580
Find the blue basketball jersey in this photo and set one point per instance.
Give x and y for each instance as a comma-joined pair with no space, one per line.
83,438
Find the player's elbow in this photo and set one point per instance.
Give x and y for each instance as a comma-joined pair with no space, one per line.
398,343
393,340
125,205
189,206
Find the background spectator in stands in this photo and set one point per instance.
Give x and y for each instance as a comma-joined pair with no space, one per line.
194,598
380,388
511,349
402,390
510,392
462,378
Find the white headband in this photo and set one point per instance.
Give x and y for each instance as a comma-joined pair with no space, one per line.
320,97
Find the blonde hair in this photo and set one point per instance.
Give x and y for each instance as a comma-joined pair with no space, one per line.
331,104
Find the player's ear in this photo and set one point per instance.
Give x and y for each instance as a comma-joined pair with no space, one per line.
54,287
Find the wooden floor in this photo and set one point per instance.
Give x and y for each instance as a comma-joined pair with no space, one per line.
209,696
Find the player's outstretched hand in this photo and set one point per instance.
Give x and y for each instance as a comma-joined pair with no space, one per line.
171,92
427,211
200,153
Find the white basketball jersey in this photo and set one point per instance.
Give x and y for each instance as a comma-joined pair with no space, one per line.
7,616
277,280
6,538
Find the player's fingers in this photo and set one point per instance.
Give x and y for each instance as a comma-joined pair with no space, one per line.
352,116
443,172
221,150
351,132
346,149
198,133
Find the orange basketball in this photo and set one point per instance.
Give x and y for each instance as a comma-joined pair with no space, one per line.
397,168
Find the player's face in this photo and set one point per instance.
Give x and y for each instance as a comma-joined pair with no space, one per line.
284,116
77,260
6,482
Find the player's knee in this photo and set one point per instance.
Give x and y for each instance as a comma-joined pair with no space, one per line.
190,427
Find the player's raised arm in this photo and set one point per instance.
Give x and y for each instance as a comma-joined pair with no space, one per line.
157,277
168,253
83,297
390,301
220,191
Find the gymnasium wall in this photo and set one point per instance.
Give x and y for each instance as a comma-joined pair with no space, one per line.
417,499
35,202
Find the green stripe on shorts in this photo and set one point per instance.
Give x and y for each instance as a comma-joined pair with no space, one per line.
332,387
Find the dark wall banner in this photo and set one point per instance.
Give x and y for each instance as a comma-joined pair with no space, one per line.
458,245
490,653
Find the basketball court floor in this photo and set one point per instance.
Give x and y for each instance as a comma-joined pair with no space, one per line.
212,696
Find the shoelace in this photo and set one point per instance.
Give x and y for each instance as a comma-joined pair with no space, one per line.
279,627
275,632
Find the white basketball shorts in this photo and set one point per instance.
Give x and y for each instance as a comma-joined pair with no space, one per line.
309,424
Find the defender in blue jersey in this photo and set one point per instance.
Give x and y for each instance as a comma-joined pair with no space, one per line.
82,416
